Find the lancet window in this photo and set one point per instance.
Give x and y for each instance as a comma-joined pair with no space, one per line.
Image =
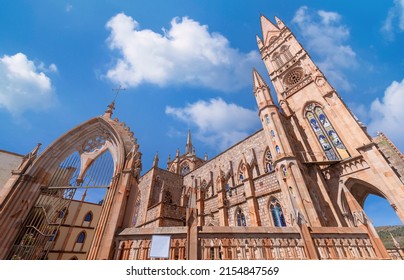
285,51
329,140
240,218
277,59
81,237
88,217
277,213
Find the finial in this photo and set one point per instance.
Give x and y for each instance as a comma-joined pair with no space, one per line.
279,23
156,160
111,107
206,156
188,147
35,151
177,153
169,158
396,244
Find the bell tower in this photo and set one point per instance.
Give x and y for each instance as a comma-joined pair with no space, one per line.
305,96
326,138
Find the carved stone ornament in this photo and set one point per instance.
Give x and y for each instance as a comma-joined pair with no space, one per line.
93,143
293,77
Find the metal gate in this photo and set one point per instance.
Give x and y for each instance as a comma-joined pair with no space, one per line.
39,230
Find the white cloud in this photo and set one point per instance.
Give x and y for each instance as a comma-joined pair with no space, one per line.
326,36
22,86
218,123
187,53
395,16
387,114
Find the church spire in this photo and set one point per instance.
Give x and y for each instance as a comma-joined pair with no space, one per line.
188,147
268,29
261,91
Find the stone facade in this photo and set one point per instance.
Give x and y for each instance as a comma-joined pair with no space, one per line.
9,162
293,190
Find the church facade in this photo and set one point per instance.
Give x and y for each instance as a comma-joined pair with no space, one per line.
293,190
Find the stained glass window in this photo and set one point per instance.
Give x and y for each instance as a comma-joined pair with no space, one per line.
277,213
330,142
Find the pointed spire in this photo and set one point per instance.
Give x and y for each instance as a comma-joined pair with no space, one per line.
206,156
177,153
396,244
259,42
258,81
110,110
279,23
156,160
34,152
268,29
188,147
261,90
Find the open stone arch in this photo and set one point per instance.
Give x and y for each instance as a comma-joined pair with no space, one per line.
361,189
87,142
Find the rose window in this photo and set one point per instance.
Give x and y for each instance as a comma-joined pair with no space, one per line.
293,77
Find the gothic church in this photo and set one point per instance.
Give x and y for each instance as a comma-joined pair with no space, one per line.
293,190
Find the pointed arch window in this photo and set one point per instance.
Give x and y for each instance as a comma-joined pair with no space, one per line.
325,133
284,171
277,59
88,217
185,169
81,237
285,51
241,175
241,222
228,190
278,150
272,134
268,162
267,119
277,213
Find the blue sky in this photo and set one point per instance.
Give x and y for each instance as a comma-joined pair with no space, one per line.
59,61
